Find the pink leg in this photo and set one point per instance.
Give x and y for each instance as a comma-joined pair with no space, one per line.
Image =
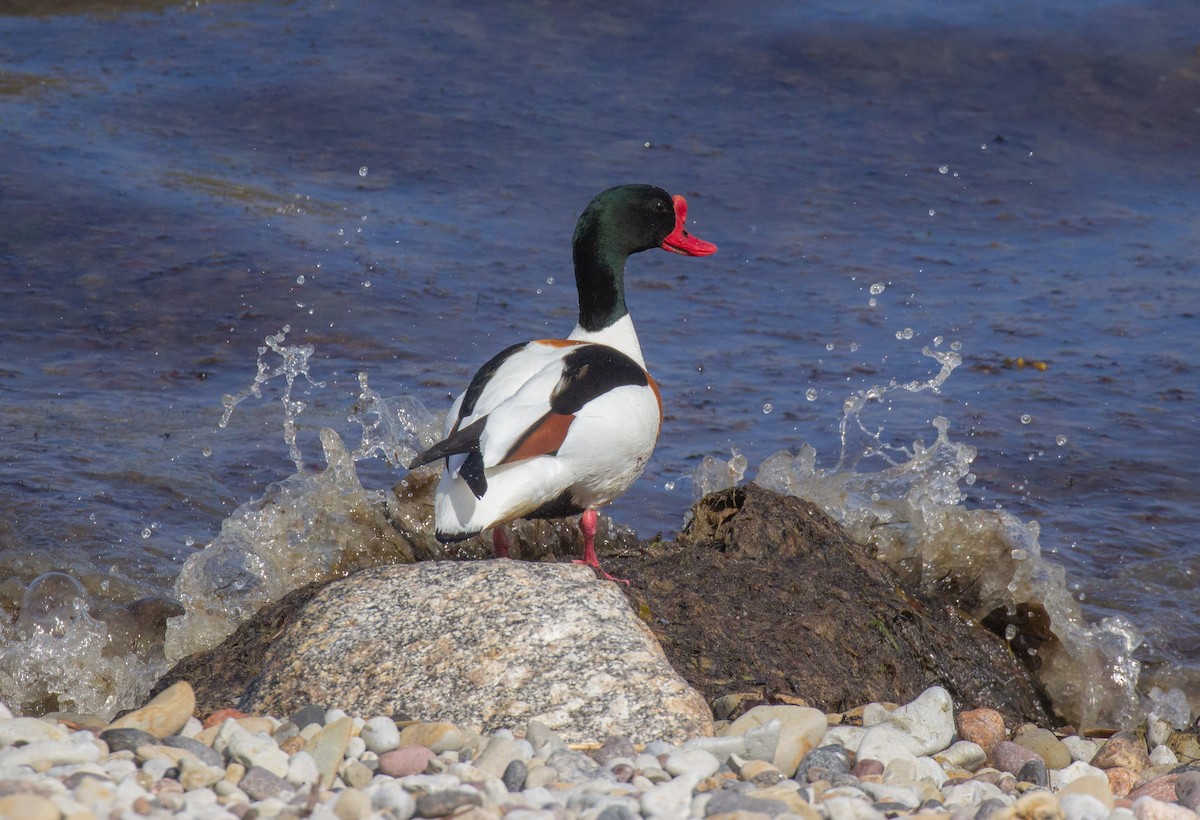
587,525
499,542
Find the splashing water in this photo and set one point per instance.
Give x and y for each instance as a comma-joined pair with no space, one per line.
308,527
911,510
294,363
57,656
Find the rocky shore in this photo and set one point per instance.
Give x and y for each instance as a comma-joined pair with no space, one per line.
764,665
774,761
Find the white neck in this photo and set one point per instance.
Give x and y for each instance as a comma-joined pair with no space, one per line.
619,335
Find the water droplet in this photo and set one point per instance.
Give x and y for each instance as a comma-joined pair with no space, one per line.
300,279
669,486
811,394
937,341
767,408
367,283
854,347
969,478
878,288
1026,418
932,212
956,346
829,346
907,333
872,301
1010,632
207,451
146,532
1060,440
92,517
549,280
189,541
362,172
645,145
943,169
341,232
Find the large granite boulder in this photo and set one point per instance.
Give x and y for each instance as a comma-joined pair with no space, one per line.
485,645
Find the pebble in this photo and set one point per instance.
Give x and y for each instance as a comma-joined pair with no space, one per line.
405,762
232,769
259,783
1123,749
1009,757
982,726
1049,748
166,714
328,747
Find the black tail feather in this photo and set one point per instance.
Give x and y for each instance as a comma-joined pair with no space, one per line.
459,442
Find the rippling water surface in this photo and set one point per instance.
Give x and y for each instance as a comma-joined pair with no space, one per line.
398,184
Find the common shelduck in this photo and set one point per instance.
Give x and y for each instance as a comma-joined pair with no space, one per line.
558,427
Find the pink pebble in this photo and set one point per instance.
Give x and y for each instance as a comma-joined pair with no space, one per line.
407,761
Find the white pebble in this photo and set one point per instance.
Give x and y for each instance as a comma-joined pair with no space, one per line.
389,795
848,737
1081,748
302,769
964,755
887,793
192,728
1081,807
258,750
970,794
380,734
355,748
1162,756
850,808
1078,769
157,767
670,799
696,762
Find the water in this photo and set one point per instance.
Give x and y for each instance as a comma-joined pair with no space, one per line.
398,187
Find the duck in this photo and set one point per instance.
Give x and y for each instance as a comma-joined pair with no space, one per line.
553,428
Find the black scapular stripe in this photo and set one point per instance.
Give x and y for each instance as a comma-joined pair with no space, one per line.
483,376
590,371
